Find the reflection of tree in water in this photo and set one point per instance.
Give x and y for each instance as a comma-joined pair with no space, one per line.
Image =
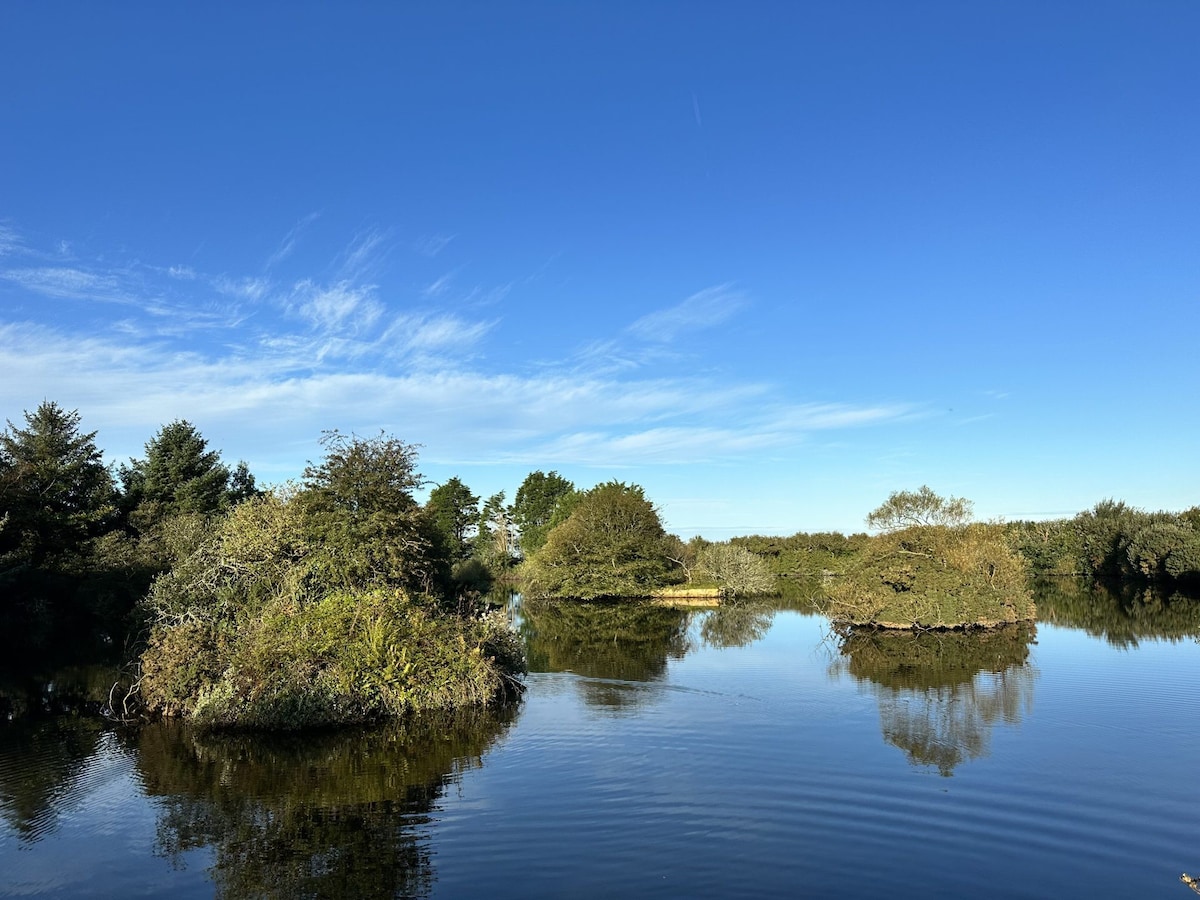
619,641
736,624
1122,614
325,815
941,693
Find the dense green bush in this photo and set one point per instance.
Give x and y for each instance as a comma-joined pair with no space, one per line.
1113,540
611,545
344,659
933,577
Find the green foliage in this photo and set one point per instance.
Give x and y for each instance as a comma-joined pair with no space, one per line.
934,577
1115,540
471,577
495,537
804,555
178,475
1053,548
1148,549
906,509
296,611
344,658
612,545
534,507
363,525
57,502
55,493
454,510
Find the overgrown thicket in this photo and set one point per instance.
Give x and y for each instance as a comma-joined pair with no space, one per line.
325,604
931,568
935,576
1113,540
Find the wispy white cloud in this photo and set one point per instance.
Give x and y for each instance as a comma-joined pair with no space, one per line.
704,309
276,396
268,367
253,289
64,283
288,244
362,258
826,416
10,241
432,244
341,307
425,334
438,286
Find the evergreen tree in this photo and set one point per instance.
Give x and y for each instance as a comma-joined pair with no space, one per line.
181,475
56,494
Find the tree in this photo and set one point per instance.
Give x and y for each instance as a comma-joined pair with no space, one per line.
455,510
534,507
612,545
56,494
904,509
181,475
359,511
494,543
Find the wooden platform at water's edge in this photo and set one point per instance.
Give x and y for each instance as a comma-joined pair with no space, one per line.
690,598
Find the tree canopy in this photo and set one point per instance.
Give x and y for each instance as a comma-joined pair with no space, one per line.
612,545
904,509
55,491
455,511
181,475
533,508
361,516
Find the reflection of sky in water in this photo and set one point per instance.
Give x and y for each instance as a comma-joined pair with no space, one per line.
750,771
84,844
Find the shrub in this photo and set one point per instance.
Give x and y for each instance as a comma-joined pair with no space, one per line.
347,658
934,577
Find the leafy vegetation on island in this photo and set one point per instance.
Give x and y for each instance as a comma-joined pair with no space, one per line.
326,604
931,568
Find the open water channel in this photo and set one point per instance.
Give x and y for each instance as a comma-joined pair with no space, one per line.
738,752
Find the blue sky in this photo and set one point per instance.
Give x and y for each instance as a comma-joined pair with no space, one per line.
771,261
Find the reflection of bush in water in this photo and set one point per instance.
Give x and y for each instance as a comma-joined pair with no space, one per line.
940,693
626,640
736,624
315,815
1122,613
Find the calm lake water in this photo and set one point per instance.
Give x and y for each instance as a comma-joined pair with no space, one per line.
741,752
